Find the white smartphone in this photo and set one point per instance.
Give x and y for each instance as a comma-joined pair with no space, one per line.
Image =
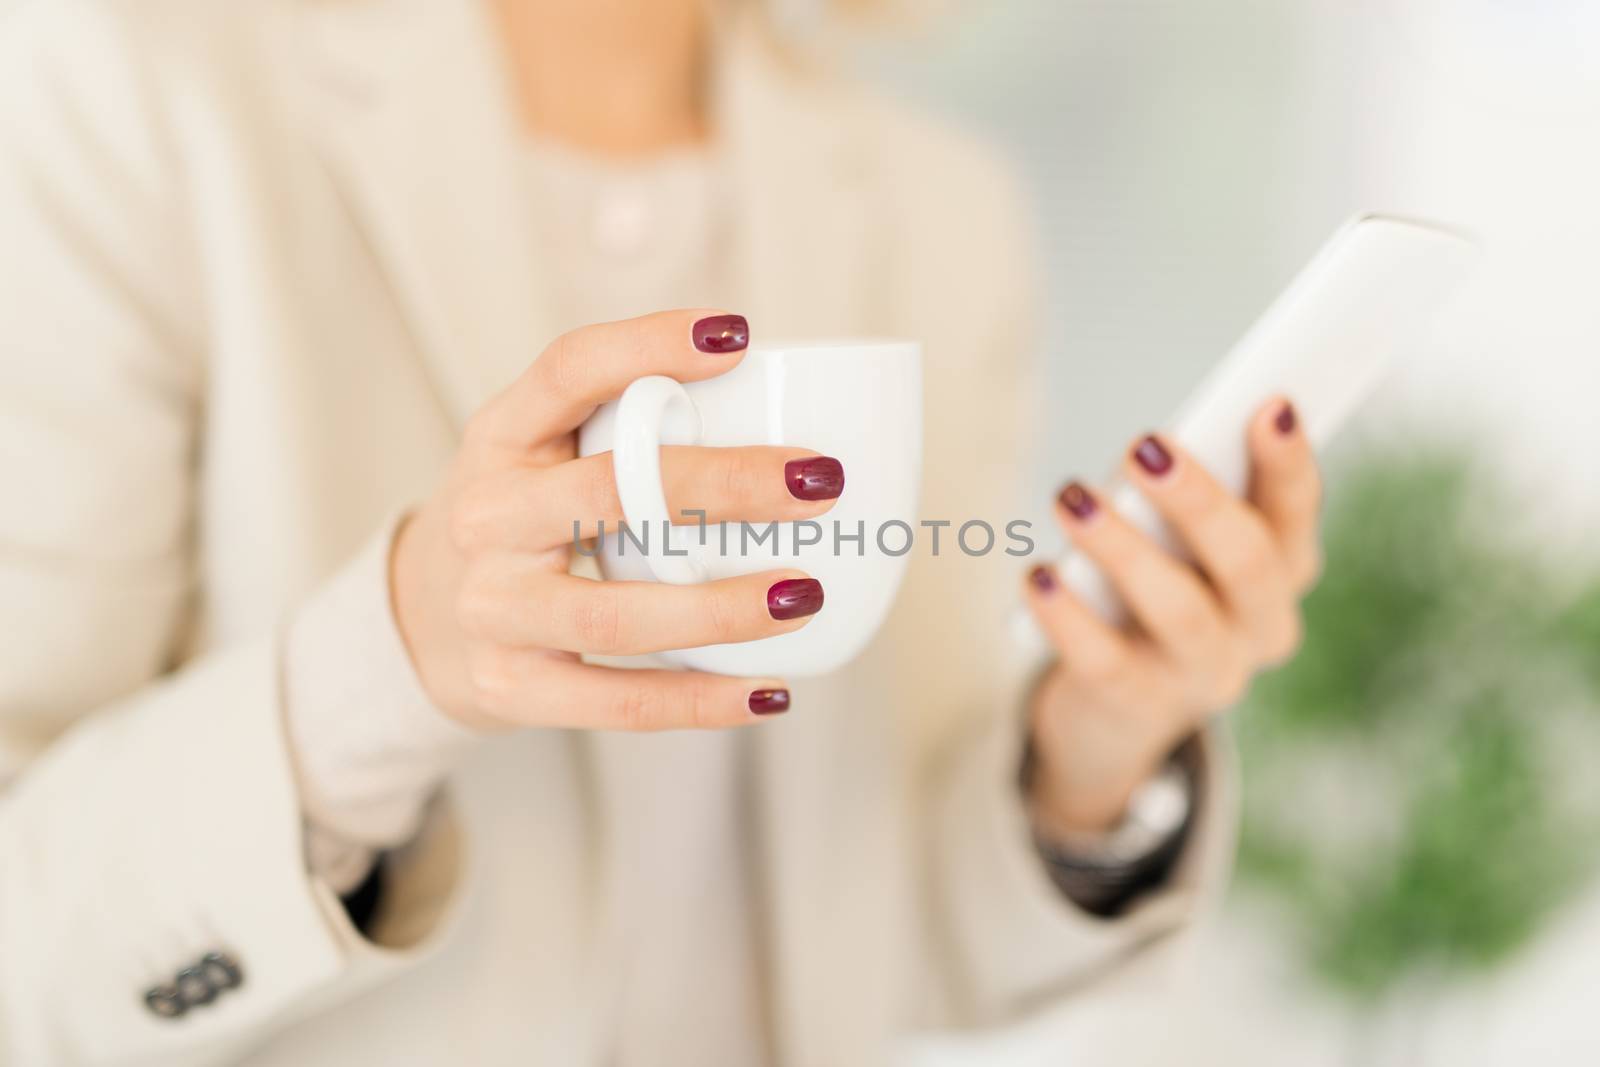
1365,299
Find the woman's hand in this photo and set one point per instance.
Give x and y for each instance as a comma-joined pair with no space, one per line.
494,623
1119,700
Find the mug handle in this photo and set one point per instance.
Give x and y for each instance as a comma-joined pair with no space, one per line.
636,461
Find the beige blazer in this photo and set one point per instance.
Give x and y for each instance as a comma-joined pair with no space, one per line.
257,262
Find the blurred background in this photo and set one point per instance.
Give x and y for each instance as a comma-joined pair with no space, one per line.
1418,881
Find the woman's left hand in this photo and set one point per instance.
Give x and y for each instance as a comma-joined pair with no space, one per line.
1119,700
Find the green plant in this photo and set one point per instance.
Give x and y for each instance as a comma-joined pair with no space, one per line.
1412,799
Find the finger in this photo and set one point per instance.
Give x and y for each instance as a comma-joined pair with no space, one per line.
1167,597
1089,646
534,689
1286,486
584,368
535,508
1228,538
513,600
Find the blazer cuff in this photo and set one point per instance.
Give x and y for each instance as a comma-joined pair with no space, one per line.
163,829
1021,941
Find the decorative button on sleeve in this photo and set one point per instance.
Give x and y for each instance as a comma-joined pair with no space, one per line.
195,986
221,970
165,1002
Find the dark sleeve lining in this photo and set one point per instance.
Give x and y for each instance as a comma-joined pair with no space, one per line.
362,902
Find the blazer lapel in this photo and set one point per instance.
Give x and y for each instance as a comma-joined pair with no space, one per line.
412,106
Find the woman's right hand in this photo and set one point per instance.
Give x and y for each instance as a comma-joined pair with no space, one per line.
493,621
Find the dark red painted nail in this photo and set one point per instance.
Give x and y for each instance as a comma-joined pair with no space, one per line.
1153,456
817,478
794,598
1043,579
1286,419
721,333
769,701
1079,501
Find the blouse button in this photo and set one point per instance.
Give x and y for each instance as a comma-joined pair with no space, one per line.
621,222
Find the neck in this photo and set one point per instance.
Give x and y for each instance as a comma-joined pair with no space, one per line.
613,77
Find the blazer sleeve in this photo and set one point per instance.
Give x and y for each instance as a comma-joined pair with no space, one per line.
1022,950
148,813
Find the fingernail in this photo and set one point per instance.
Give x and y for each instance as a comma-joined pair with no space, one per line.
817,478
1079,501
1153,456
1285,420
1042,579
794,598
769,701
719,334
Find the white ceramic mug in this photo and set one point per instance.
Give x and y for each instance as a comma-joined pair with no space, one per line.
859,401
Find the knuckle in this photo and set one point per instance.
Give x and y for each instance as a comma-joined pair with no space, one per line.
639,709
564,365
700,705
722,614
1242,558
597,621
740,477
